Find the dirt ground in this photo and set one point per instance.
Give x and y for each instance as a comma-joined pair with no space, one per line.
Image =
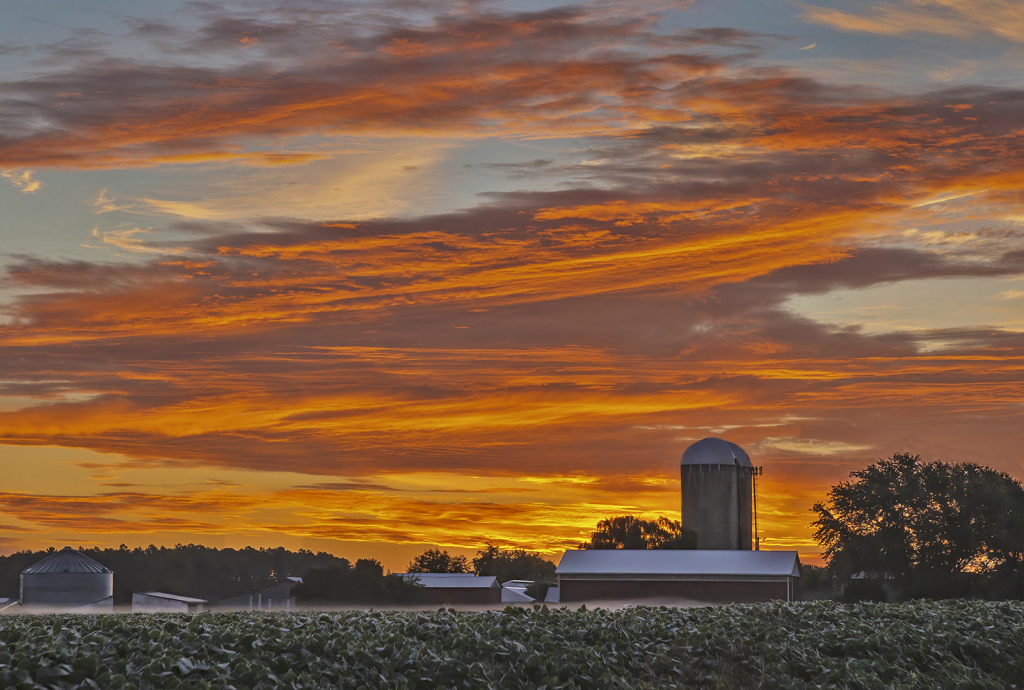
602,604
676,602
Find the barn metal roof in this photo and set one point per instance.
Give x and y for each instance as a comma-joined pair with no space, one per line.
449,580
67,560
715,451
681,562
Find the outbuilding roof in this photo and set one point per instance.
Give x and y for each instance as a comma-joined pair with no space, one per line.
679,562
173,597
67,560
451,580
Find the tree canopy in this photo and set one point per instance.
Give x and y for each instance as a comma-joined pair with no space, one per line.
363,583
438,561
513,564
904,518
630,532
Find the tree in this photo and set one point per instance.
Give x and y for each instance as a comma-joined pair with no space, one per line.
437,561
365,583
514,564
815,578
629,532
923,524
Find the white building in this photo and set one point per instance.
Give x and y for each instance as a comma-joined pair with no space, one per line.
514,592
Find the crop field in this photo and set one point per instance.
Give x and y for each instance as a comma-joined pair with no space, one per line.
802,645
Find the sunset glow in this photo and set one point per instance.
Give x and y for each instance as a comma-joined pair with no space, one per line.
372,277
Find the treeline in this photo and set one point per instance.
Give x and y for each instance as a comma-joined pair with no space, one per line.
214,574
363,583
366,582
186,570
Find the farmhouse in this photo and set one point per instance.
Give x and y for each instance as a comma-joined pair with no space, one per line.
704,575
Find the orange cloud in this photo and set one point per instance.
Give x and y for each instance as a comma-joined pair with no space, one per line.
461,73
350,516
564,345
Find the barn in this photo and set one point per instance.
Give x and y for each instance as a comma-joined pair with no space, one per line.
731,576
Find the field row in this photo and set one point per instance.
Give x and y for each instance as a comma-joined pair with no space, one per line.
800,645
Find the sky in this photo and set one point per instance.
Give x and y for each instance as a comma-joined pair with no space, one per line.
373,277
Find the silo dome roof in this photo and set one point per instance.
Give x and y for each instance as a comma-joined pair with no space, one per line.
67,560
715,451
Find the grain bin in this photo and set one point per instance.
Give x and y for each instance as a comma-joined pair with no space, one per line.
67,579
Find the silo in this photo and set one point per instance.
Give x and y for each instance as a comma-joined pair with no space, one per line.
717,491
67,579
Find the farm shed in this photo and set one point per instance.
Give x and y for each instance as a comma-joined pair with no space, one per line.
67,579
153,602
713,576
456,588
275,596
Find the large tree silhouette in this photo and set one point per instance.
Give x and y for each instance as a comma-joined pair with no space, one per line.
514,564
910,520
630,532
438,561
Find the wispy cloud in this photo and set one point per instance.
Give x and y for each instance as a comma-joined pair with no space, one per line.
1001,18
811,446
459,73
24,180
131,239
106,203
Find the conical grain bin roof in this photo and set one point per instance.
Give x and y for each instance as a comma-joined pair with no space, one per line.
67,560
